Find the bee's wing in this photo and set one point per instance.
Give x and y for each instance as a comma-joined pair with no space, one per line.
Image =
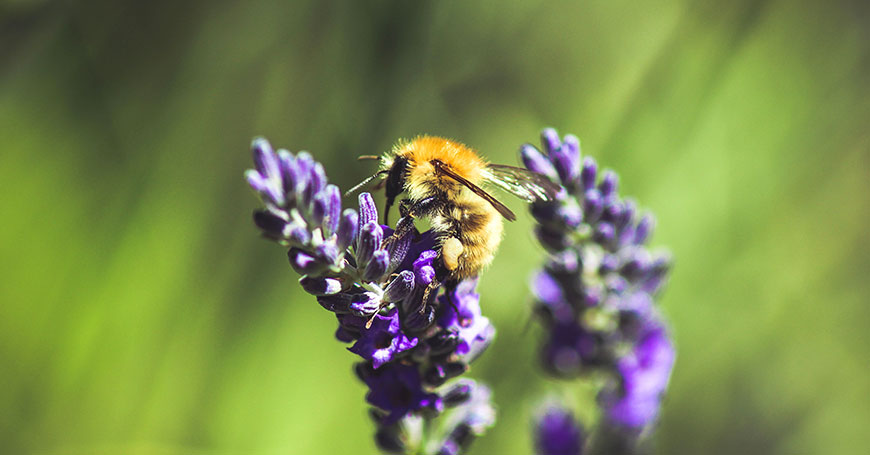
522,183
504,211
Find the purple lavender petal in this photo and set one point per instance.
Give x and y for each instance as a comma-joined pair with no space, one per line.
333,210
365,304
383,340
423,269
347,229
377,267
612,210
327,252
629,207
645,375
304,164
557,432
320,286
644,229
370,237
304,263
535,161
298,235
316,183
604,233
397,389
400,287
589,173
458,394
289,173
270,223
318,210
337,303
368,212
608,184
257,182
566,160
264,159
550,140
398,250
593,205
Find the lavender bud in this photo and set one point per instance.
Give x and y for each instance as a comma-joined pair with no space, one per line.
400,287
289,172
612,210
258,183
298,235
337,303
609,263
327,252
608,184
370,237
304,263
265,160
318,210
566,160
347,229
550,140
270,223
320,286
377,267
398,250
644,229
604,233
537,162
589,173
629,207
592,205
368,212
557,432
316,183
458,394
333,210
443,342
570,215
304,163
552,239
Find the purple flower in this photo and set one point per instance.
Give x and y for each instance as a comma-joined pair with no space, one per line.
397,390
595,293
557,432
644,372
383,340
460,312
375,289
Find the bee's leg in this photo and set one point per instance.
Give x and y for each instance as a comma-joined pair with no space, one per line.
428,294
410,210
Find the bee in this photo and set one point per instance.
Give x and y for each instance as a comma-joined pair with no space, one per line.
443,181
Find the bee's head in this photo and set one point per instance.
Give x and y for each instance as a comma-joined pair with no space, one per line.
397,172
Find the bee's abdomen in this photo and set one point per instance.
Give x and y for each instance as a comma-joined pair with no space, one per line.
478,229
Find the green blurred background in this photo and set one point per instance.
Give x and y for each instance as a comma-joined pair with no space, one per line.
142,314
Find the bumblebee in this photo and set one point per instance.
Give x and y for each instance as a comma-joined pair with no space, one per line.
443,181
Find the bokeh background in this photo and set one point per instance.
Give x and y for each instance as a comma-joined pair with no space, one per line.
140,313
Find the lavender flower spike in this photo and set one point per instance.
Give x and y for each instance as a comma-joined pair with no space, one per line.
410,351
594,294
557,432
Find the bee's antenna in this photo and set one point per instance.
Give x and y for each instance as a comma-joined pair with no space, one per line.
365,182
367,157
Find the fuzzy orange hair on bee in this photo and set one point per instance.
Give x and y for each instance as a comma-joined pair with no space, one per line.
444,182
